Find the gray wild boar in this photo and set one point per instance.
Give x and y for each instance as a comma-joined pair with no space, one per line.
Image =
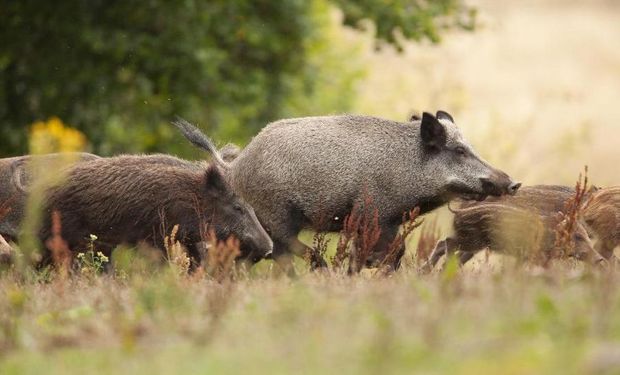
297,172
16,175
135,199
602,216
524,225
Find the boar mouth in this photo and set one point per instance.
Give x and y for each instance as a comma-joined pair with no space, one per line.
465,192
474,197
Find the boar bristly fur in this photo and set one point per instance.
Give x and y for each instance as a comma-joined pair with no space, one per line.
136,199
298,172
602,216
16,176
525,225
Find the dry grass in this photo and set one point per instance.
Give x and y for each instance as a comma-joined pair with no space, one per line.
562,320
176,253
62,257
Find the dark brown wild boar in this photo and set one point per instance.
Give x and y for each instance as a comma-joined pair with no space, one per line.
602,216
525,225
16,176
134,199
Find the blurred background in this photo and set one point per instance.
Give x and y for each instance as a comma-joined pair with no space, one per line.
532,83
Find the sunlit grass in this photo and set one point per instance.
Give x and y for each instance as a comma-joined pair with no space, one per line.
562,320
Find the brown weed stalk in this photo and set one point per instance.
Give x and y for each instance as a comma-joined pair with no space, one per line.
318,249
396,249
347,234
368,235
315,254
61,254
358,237
221,255
176,254
569,219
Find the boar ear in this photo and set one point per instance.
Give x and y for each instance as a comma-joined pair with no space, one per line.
443,115
415,117
214,179
432,131
21,178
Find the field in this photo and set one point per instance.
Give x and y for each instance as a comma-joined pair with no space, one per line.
563,320
533,90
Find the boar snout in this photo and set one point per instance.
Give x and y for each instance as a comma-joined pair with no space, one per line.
261,247
269,251
499,184
513,188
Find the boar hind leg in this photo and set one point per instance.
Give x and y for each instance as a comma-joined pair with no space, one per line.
391,252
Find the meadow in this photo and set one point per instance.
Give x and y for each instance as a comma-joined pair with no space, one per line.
564,319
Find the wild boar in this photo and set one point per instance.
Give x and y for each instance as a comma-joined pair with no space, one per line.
602,216
525,225
16,175
297,172
134,199
543,199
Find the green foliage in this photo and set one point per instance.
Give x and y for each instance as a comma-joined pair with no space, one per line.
415,20
119,71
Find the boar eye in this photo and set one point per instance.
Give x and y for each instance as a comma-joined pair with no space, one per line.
237,208
460,151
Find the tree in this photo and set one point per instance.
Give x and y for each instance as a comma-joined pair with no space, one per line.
120,70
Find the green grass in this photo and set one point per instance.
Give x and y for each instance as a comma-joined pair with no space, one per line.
564,320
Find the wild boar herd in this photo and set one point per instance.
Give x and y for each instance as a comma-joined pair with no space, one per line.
305,173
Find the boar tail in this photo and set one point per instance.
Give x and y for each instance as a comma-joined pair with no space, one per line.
199,139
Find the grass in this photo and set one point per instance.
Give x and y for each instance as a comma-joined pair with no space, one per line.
565,319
